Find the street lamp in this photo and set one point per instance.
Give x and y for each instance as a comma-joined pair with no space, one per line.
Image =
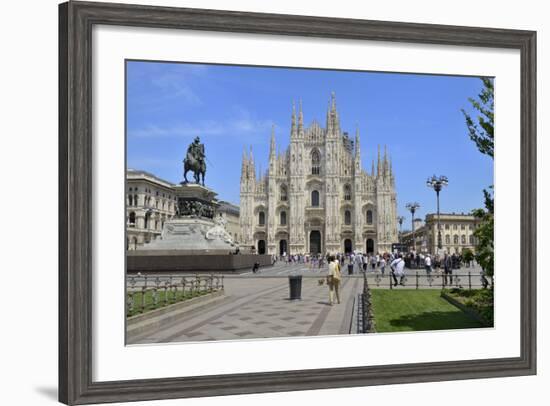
412,207
400,220
437,183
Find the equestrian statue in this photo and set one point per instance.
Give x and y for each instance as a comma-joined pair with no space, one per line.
195,161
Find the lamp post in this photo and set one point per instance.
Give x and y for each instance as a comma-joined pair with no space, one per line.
437,183
400,220
412,207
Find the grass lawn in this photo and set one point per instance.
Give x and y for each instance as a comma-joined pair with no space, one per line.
416,310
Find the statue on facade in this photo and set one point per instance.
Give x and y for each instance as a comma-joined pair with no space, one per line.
195,161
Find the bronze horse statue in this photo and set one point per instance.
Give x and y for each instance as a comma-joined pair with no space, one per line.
190,163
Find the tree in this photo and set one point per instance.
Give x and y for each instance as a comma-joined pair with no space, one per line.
467,255
485,247
482,131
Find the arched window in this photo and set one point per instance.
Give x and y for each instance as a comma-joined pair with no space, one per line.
315,162
471,240
135,200
463,239
283,195
132,219
261,218
130,200
347,192
455,239
369,216
146,222
347,217
315,198
283,218
447,239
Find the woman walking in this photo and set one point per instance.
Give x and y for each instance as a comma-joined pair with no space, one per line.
333,280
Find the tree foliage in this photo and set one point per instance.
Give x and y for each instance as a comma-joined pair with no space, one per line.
481,132
481,129
485,247
467,255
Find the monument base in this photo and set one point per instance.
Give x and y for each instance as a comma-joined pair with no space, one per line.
191,234
195,241
176,261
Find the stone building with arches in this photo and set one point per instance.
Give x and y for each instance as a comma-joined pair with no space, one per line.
316,197
457,234
150,201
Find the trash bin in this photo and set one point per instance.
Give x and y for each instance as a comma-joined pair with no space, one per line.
295,283
350,269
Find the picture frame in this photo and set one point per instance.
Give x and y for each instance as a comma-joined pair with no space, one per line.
76,20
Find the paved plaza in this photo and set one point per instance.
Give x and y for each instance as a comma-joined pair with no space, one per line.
257,305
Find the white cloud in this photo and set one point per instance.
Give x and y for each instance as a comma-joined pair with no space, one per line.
242,124
175,86
174,83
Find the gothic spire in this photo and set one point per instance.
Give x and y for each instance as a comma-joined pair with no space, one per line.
244,165
334,113
357,143
378,167
293,132
385,164
272,153
251,164
272,146
300,117
329,121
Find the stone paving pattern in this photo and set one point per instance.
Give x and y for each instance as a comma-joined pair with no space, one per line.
260,308
257,306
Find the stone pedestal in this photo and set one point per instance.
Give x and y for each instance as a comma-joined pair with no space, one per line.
191,234
195,200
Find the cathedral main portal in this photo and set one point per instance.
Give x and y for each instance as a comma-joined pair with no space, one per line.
315,242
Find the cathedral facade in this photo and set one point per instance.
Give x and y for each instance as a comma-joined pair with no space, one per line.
315,197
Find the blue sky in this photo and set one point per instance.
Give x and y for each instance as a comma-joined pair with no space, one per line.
418,117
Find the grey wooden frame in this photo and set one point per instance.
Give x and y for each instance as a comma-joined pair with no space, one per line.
76,20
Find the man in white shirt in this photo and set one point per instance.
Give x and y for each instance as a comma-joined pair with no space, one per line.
428,264
398,269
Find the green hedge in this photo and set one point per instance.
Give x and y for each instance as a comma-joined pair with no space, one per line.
480,301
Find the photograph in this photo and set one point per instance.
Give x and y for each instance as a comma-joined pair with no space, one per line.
268,202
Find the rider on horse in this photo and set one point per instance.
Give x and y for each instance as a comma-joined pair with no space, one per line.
195,160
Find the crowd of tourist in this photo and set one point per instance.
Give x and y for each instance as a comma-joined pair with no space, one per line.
393,264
